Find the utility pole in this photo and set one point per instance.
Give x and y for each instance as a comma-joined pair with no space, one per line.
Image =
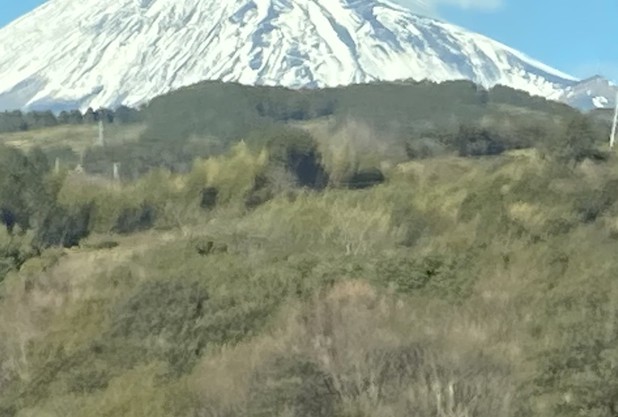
116,171
612,136
101,134
80,166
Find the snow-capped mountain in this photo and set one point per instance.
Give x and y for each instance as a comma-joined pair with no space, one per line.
92,53
591,93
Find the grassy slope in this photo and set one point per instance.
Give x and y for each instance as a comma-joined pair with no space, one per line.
76,137
333,286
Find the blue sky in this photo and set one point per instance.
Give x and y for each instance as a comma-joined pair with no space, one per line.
577,37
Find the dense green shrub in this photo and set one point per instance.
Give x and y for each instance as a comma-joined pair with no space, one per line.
296,151
575,142
472,141
426,147
164,319
209,198
437,275
592,203
65,227
365,178
135,219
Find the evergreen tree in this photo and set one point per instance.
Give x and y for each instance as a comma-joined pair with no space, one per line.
64,118
104,114
90,116
12,121
75,117
124,114
38,120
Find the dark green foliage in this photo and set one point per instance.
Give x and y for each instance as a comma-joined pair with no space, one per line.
29,210
64,227
208,118
260,193
208,200
64,117
105,244
434,274
507,95
472,141
74,117
37,120
232,111
364,179
229,111
575,142
22,189
578,139
307,168
291,384
15,252
90,116
226,111
28,201
594,202
104,115
426,147
16,121
135,219
170,311
282,106
296,151
125,115
12,121
301,158
177,320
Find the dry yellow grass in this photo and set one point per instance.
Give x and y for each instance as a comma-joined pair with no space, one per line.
358,336
77,137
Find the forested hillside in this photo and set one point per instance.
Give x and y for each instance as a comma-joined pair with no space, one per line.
335,262
422,118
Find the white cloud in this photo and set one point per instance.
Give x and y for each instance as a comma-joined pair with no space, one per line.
432,7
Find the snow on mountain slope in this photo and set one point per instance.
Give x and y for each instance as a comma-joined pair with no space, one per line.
591,93
92,53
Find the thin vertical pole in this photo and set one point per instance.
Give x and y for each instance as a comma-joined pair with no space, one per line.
101,137
612,136
116,171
